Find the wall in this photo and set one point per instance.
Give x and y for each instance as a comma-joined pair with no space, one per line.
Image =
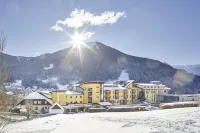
71,99
95,91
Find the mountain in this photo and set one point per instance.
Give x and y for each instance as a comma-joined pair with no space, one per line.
195,69
97,62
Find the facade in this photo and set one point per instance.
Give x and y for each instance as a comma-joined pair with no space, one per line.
121,93
65,97
92,91
170,98
37,102
152,89
56,109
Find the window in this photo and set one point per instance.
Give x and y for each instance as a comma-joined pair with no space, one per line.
76,96
130,96
36,108
45,107
97,92
97,87
39,102
113,96
80,96
45,102
113,92
34,102
71,97
80,101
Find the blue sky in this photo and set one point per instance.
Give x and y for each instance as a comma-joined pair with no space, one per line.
164,30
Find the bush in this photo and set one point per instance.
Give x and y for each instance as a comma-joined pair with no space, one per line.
178,105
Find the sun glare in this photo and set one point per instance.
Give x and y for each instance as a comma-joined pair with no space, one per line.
78,39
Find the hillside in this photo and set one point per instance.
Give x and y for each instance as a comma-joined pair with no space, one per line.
183,120
195,69
99,62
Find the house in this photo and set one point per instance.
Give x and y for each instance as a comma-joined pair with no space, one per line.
56,108
38,102
170,98
152,89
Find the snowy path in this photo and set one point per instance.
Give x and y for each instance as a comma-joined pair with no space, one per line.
185,120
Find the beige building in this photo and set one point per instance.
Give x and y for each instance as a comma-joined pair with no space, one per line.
152,89
121,94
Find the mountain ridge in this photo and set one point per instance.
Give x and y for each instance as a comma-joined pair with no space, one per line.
195,69
98,62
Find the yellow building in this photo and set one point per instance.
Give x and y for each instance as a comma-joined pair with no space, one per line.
92,91
152,89
64,97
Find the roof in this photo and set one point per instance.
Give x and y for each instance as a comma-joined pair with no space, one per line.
93,82
59,91
73,93
105,103
165,88
129,82
114,88
37,95
55,105
186,95
70,106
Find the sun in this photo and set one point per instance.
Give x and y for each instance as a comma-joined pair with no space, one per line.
78,39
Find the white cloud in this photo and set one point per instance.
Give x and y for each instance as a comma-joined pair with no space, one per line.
87,35
56,28
79,17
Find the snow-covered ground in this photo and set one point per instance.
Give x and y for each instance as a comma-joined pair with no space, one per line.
123,77
49,67
182,120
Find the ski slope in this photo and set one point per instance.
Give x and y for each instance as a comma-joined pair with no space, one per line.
184,120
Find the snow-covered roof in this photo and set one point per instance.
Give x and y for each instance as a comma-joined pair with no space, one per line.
105,103
114,88
73,93
184,95
37,95
165,88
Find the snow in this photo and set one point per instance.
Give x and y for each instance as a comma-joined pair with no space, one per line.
179,103
36,95
182,120
9,93
49,67
17,83
123,77
105,103
114,88
73,93
54,80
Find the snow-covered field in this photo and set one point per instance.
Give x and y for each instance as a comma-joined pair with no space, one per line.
184,120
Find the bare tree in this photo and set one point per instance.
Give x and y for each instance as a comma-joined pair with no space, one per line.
4,69
4,76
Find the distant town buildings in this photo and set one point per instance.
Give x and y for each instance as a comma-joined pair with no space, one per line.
80,97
